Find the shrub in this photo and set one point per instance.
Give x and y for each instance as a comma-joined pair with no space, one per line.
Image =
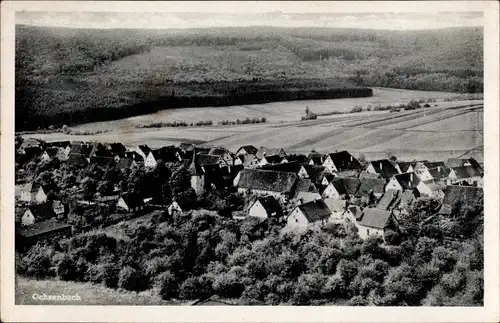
132,279
195,287
169,286
66,269
356,109
38,262
228,286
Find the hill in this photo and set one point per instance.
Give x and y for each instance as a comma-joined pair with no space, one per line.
71,76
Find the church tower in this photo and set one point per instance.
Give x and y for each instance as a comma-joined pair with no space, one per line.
197,175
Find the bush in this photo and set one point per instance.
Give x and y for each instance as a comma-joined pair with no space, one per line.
66,269
356,109
110,275
132,279
228,286
169,286
195,287
38,262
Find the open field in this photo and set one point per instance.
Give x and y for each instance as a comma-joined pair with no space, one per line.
274,112
90,294
435,133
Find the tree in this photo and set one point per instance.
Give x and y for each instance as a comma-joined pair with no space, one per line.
169,286
89,188
132,279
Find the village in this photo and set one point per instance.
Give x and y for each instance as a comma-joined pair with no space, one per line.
65,188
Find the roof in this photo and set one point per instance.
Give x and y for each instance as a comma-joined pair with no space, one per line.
124,163
298,158
343,160
389,200
31,187
265,151
205,159
31,142
468,194
335,205
44,227
347,173
458,162
436,186
247,159
369,185
375,218
273,159
405,165
407,180
166,154
356,211
77,160
219,151
81,149
133,155
329,177
145,149
434,164
292,167
249,149
369,175
466,171
61,144
267,180
317,159
305,185
384,167
408,196
132,200
351,184
117,147
339,185
315,172
270,204
194,166
439,172
42,211
186,146
315,210
52,151
101,161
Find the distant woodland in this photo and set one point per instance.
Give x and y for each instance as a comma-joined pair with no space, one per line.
71,76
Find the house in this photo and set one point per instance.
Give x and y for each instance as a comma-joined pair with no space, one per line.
264,151
308,214
439,174
58,208
300,159
337,208
134,155
340,161
365,174
78,160
335,190
44,230
223,153
405,167
375,221
316,159
150,160
33,192
421,169
371,187
407,198
390,200
130,202
403,182
348,173
468,195
305,190
292,167
314,172
467,174
272,159
266,182
353,213
37,213
81,149
126,163
206,159
351,185
461,162
265,207
143,150
431,189
51,153
327,178
247,161
165,154
116,148
103,162
246,150
383,167
177,207
197,174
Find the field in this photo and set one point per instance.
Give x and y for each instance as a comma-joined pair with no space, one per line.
90,294
451,129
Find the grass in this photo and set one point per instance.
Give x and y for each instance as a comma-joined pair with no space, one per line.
90,294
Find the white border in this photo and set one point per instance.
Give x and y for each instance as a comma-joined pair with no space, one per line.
488,313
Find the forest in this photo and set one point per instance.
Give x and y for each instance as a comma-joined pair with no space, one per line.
72,76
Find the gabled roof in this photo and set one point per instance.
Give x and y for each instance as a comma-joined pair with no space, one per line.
343,160
439,172
219,151
458,162
265,151
77,160
467,194
133,155
335,205
351,184
270,205
44,227
273,159
408,196
315,210
405,165
407,180
247,159
384,167
433,164
80,149
52,151
61,144
339,185
389,200
305,185
369,175
267,180
301,159
249,149
347,173
375,218
329,177
117,148
466,172
315,172
205,159
42,212
101,161
132,200
145,149
317,159
371,185
356,211
292,167
195,166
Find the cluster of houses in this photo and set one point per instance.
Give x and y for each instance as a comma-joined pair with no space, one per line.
303,191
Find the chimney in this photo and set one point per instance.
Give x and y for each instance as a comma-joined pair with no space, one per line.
439,168
411,178
380,166
351,157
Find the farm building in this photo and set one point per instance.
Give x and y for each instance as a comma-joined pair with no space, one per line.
308,214
313,172
265,207
37,213
374,222
116,148
341,161
266,182
247,161
126,163
383,167
78,160
143,150
467,174
130,202
351,185
405,167
134,155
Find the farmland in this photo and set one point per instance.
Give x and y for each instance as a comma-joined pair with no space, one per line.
448,130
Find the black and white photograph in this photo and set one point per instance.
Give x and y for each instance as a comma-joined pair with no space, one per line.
264,154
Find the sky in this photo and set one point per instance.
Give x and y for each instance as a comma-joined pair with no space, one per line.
251,13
